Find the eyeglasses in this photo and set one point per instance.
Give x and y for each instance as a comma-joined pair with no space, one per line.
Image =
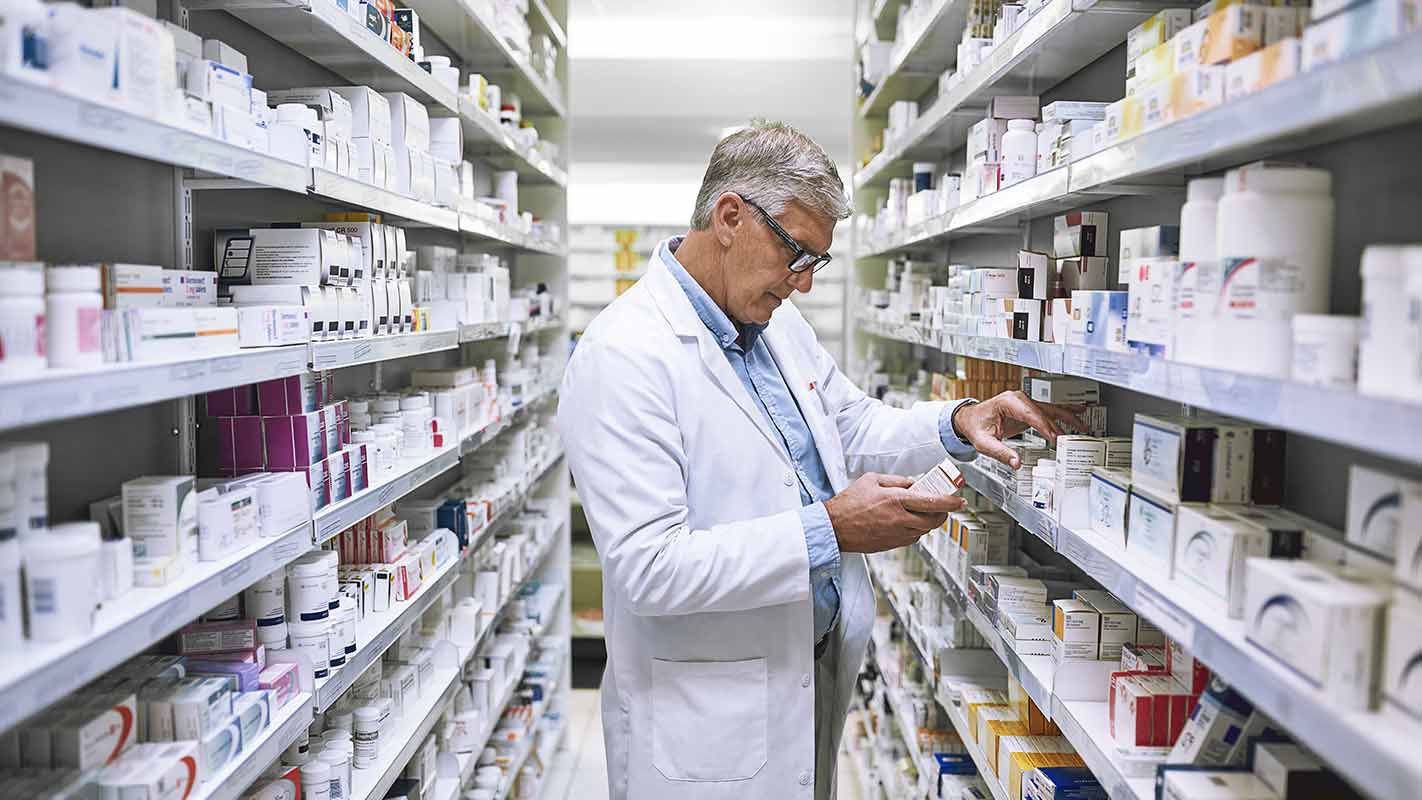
801,259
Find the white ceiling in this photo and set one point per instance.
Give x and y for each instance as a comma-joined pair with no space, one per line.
655,82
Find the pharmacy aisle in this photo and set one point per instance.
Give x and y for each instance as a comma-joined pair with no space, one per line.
282,303
1149,211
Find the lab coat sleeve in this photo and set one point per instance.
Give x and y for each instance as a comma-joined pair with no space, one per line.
879,438
618,422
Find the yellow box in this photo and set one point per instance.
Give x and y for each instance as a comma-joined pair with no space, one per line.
1124,118
1226,35
1023,762
994,730
1195,90
1155,31
988,714
1155,104
1277,62
1157,63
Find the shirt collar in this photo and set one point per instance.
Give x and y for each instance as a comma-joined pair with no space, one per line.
721,326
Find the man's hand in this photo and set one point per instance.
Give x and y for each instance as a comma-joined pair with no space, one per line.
877,512
987,423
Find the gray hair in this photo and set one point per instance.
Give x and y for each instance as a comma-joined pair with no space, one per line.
771,163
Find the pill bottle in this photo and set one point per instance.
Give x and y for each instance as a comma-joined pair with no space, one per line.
265,600
1275,242
1197,282
1325,350
315,780
22,307
1019,151
306,590
74,308
313,637
62,581
366,736
340,765
1387,356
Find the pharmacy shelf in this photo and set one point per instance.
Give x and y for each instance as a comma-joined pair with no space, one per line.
1367,748
463,25
486,331
543,18
484,137
1369,92
370,197
481,228
896,705
354,352
1087,726
409,475
57,394
1053,45
1034,520
910,631
329,36
286,726
915,65
35,675
975,751
410,730
38,108
1364,422
378,631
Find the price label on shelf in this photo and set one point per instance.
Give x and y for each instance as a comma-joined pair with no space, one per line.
1165,615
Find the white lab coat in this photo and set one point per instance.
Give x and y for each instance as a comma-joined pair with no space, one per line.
711,684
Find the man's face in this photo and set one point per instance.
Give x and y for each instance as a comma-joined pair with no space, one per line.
759,279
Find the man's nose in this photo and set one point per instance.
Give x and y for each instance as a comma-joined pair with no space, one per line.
803,281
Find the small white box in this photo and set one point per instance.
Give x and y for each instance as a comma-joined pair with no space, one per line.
1322,626
1149,307
272,326
1408,553
1211,546
1150,528
370,113
1064,389
302,256
160,516
1402,673
1279,61
229,56
1110,498
1214,785
1375,508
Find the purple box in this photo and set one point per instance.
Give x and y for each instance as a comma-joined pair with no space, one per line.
294,394
351,460
331,425
240,444
245,673
294,442
235,401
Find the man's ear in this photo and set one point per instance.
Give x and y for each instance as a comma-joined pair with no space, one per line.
727,217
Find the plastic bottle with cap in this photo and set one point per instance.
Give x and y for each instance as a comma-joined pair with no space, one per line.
22,308
1019,151
1275,241
1197,283
1387,356
74,310
316,780
62,581
31,487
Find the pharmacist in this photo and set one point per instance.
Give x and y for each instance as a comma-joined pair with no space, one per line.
713,442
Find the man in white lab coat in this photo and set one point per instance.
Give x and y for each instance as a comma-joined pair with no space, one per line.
713,442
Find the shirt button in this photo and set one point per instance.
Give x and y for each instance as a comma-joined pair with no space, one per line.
804,779
789,479
805,681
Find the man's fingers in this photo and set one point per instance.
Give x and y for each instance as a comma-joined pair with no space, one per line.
1066,416
932,504
992,448
894,481
921,521
1027,410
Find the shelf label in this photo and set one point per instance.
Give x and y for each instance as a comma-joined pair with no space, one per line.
176,609
186,372
1166,616
236,572
1098,565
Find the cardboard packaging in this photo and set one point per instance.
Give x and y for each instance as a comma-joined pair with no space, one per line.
1211,547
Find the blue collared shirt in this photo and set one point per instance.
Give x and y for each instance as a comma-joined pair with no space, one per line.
751,360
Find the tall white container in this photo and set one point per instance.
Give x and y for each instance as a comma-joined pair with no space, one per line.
74,309
1387,354
1197,284
1275,246
1019,151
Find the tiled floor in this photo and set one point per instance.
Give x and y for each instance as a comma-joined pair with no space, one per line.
590,761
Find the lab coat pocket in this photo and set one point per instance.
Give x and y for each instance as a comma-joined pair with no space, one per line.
709,719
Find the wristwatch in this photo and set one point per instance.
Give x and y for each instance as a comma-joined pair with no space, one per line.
953,420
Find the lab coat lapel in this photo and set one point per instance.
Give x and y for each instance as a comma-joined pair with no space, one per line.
676,307
801,387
